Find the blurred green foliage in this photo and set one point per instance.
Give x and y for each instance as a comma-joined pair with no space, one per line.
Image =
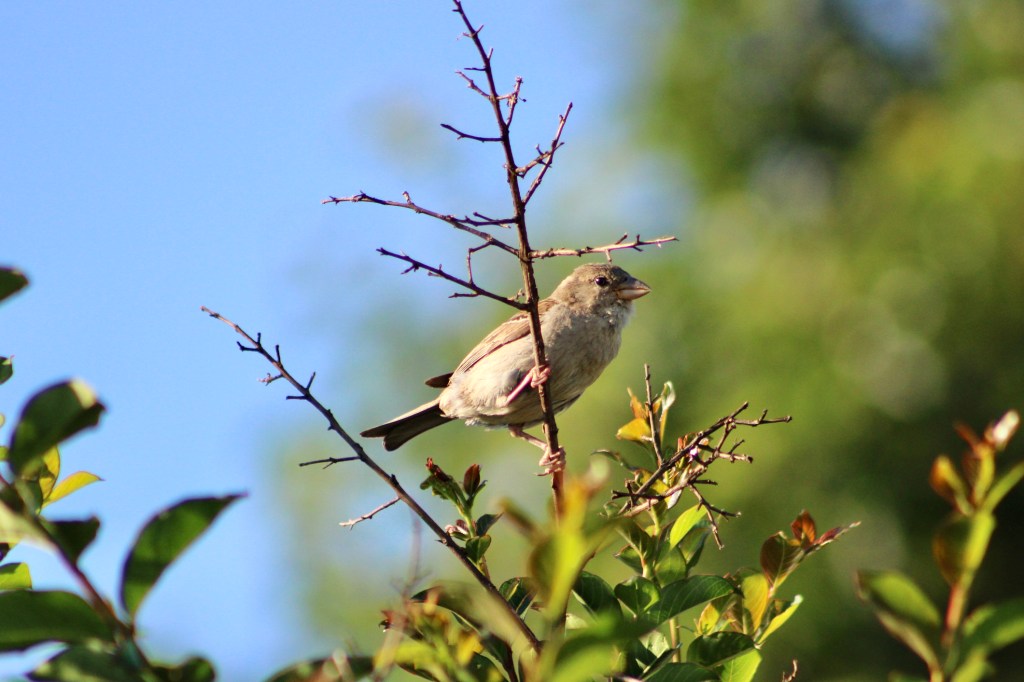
854,257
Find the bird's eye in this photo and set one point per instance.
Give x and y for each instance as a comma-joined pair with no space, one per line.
601,281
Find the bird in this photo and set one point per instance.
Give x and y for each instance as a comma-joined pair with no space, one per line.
494,385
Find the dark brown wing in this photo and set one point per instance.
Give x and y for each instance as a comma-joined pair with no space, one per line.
509,331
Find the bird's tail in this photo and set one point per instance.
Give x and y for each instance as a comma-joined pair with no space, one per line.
411,424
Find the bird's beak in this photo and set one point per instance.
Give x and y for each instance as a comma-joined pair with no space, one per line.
632,289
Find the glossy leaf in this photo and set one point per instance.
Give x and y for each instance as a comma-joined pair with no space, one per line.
637,593
741,668
477,547
685,594
12,281
717,648
160,542
15,576
6,371
595,594
780,611
519,593
685,523
29,617
903,610
755,590
51,416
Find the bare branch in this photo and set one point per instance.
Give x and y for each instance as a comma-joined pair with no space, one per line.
461,135
438,272
351,523
546,163
636,245
256,345
458,223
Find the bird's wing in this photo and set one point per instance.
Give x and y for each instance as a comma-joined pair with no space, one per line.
511,330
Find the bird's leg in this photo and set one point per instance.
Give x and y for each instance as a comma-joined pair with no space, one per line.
551,462
534,378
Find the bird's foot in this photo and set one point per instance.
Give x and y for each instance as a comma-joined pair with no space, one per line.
552,462
534,378
517,432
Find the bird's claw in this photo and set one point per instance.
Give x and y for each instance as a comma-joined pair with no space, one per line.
552,462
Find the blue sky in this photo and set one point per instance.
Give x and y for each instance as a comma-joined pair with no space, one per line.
162,156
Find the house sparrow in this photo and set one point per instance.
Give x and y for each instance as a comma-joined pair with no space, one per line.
581,323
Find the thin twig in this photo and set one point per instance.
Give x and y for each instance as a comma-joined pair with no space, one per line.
334,425
469,226
636,245
550,156
351,523
439,272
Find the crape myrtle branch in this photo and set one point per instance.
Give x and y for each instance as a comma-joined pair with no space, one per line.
465,224
699,455
351,523
525,260
544,159
439,272
637,245
305,394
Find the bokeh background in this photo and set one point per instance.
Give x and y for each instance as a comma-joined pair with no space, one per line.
846,179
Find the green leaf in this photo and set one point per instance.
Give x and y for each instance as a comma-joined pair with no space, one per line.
30,617
588,653
780,612
685,594
685,523
519,593
15,576
326,670
1003,485
12,281
903,610
637,593
51,416
993,627
960,544
595,594
683,672
485,522
194,669
74,536
6,372
70,484
160,542
718,647
477,547
86,663
740,668
755,591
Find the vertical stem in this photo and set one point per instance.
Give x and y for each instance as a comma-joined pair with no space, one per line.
525,259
